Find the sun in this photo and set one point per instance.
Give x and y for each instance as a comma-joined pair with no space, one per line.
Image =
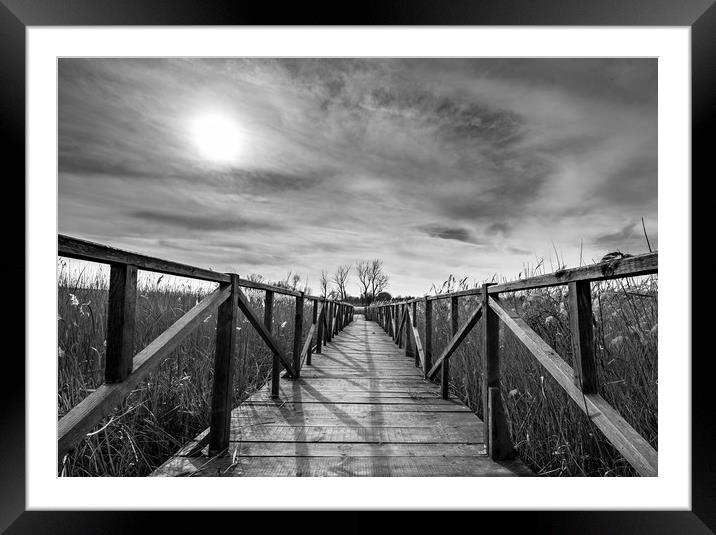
217,137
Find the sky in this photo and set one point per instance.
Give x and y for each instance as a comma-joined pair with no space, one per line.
471,167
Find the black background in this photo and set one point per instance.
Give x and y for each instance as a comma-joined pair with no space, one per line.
16,15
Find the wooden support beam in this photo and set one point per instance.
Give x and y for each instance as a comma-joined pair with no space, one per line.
400,311
336,312
276,364
637,451
298,335
408,333
89,412
416,337
401,329
307,345
454,342
329,322
321,327
226,323
580,323
428,337
631,266
325,322
70,247
499,443
419,353
121,312
266,336
445,366
314,322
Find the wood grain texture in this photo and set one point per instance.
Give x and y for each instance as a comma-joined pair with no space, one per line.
499,442
225,349
633,266
580,324
70,247
121,313
362,409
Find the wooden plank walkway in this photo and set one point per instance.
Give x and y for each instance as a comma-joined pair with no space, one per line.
361,409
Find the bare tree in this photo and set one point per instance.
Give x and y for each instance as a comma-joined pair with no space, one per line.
324,283
340,278
363,271
377,277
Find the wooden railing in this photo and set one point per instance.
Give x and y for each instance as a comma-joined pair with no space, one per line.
124,370
580,383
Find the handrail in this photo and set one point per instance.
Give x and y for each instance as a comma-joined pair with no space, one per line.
88,412
630,266
71,247
580,382
124,370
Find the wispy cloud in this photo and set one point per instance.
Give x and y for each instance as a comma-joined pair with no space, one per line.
466,166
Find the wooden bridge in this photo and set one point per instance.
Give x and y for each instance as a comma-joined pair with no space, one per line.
356,397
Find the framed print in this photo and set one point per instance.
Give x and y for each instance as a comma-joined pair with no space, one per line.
416,245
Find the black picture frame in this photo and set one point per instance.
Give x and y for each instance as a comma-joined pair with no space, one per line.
16,15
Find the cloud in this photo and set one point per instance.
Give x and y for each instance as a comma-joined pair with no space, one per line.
223,222
409,160
630,238
448,233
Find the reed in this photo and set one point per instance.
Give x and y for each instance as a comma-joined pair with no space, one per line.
551,434
174,404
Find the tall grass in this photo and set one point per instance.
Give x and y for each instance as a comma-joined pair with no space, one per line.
173,405
552,435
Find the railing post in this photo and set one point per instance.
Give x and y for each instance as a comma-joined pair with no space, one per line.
319,327
399,333
298,335
226,323
428,337
415,324
497,436
314,320
408,333
276,365
396,313
396,321
336,321
445,366
120,322
329,322
580,323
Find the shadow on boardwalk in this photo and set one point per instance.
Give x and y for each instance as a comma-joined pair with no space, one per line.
361,409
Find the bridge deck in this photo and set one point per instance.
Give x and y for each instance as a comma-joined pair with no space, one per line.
361,409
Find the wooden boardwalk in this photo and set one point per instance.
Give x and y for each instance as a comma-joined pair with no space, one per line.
361,408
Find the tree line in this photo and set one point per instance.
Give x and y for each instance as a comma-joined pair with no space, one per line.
372,280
